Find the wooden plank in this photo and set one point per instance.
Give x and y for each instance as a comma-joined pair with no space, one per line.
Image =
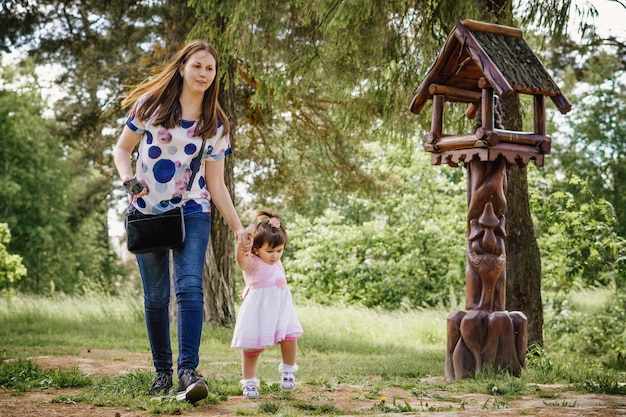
492,28
446,143
542,143
487,109
471,110
521,138
539,109
561,103
436,126
495,138
455,94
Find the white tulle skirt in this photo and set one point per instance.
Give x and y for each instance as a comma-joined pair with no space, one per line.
266,317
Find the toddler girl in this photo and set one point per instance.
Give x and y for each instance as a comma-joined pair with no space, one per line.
267,316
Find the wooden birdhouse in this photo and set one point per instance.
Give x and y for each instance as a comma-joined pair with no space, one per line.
478,60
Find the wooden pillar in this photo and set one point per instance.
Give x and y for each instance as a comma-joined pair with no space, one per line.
436,124
539,105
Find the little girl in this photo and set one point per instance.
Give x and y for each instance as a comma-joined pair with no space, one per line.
267,316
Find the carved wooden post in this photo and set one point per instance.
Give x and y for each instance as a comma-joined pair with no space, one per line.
485,333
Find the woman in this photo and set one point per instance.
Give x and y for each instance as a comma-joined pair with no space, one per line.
172,113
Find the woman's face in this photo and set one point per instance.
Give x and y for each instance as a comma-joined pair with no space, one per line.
199,72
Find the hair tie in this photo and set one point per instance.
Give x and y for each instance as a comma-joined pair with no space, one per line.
274,222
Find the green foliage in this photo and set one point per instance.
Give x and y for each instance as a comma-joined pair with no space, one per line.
402,251
500,385
51,201
23,375
71,323
129,390
579,244
34,202
11,267
593,328
558,367
315,106
167,406
553,18
130,384
604,384
316,112
589,139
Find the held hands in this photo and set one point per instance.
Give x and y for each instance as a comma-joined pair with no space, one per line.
245,238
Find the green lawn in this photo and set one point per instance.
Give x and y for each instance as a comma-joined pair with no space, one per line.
345,344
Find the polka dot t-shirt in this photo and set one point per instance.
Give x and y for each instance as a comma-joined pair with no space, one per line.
164,165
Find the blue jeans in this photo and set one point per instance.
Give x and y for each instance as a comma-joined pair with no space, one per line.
188,270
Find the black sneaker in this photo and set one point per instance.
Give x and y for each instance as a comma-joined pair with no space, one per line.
162,384
191,387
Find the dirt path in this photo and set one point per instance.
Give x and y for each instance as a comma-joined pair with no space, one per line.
350,399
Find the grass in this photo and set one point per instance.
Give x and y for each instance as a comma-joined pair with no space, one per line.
342,346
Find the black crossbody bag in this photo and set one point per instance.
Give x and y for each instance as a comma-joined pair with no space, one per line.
157,232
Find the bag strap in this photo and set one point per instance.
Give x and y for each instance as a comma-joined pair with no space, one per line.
195,165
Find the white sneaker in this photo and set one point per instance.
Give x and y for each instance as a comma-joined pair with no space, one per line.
249,388
289,381
250,391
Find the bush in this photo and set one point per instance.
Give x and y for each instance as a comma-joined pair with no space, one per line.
405,250
11,268
597,332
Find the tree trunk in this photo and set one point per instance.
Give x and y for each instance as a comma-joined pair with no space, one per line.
218,286
523,261
218,272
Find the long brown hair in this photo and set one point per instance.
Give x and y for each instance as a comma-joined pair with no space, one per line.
164,89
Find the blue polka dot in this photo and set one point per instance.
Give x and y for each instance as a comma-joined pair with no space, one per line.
176,199
209,150
190,148
202,182
191,205
149,137
162,207
154,152
141,203
186,124
164,170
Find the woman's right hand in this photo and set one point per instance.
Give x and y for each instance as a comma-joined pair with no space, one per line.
246,234
246,243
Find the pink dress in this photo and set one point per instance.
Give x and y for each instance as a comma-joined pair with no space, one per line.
267,315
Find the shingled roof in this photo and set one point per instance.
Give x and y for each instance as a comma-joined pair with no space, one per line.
499,54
